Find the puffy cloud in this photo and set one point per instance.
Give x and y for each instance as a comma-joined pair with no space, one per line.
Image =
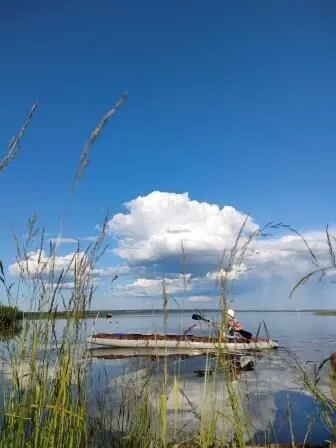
175,285
111,271
65,285
288,255
151,287
234,273
150,232
38,263
155,225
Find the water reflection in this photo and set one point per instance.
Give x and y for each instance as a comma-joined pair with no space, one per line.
142,352
190,397
270,393
271,404
297,417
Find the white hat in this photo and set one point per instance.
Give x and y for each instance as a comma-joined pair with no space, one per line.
231,313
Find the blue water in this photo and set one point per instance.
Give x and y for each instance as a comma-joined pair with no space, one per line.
272,395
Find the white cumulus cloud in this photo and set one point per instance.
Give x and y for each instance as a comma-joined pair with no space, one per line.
234,273
149,235
151,287
155,225
38,263
111,271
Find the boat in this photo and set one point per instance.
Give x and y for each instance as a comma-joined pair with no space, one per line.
138,340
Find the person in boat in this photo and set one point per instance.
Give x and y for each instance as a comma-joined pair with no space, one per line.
233,323
235,326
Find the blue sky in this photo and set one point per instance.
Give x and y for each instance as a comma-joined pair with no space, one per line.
232,102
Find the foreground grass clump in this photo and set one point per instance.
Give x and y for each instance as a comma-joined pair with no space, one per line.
9,316
11,332
44,400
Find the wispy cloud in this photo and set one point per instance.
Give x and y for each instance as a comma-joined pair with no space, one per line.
63,240
92,239
70,240
199,299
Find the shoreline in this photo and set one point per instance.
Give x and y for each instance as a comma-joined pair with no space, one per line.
103,313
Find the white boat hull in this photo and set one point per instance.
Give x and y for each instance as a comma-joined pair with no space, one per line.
233,346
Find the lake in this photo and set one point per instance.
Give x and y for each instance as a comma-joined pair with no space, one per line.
272,395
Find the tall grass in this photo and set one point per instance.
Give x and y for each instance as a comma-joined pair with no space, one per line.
45,401
14,145
45,404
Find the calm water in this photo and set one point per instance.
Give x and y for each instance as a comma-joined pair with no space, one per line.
265,394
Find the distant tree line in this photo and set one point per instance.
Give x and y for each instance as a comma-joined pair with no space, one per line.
9,315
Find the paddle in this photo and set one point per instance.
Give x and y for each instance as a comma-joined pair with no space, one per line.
199,317
245,334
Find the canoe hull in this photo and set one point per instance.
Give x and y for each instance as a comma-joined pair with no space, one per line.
234,346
